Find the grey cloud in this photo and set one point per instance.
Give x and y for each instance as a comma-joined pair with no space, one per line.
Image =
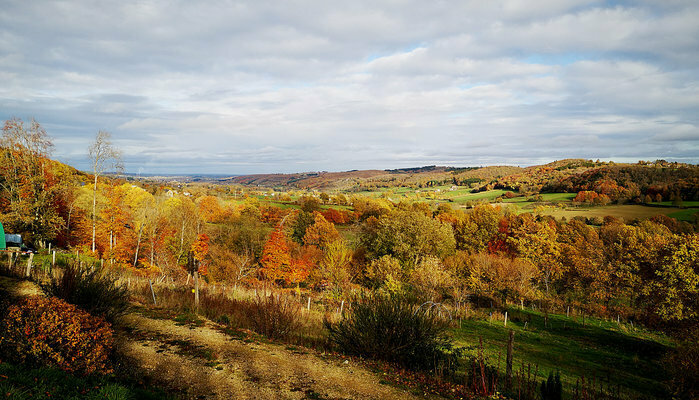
258,86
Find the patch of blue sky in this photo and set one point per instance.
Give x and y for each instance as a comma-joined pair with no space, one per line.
557,59
405,50
467,86
294,85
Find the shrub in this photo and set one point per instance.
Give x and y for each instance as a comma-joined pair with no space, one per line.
552,389
49,331
391,328
275,316
91,290
682,365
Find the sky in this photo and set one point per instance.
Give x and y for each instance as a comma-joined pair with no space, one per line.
260,86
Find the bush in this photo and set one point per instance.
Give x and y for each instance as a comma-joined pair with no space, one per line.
275,316
682,365
552,389
50,332
391,328
91,290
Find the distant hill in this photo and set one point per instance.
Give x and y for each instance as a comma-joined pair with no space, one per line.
660,180
621,182
358,180
305,180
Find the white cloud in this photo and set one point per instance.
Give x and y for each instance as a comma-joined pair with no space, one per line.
262,87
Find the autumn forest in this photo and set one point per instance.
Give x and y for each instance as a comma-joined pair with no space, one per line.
576,251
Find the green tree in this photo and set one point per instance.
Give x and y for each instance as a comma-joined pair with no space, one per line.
673,292
409,236
536,241
477,228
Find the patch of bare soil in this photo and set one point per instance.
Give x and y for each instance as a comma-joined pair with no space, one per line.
202,362
18,288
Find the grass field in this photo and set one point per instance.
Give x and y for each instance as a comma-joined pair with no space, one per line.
684,203
615,355
628,212
461,196
684,215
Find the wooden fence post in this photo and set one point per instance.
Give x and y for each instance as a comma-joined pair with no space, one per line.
510,350
29,264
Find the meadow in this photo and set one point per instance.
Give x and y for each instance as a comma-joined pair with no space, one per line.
620,357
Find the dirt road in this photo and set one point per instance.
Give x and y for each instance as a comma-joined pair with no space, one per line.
202,362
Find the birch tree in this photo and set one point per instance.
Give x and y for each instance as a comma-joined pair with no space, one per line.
102,155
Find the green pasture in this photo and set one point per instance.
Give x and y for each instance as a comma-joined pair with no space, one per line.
687,215
628,212
619,356
669,204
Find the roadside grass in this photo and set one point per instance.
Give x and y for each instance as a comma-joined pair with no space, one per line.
616,356
19,382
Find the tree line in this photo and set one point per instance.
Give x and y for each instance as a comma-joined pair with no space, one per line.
648,270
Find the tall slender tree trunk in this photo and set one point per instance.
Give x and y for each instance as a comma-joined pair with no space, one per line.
94,213
179,252
152,250
196,291
138,246
70,212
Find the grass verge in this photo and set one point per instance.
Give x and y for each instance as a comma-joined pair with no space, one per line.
617,356
18,382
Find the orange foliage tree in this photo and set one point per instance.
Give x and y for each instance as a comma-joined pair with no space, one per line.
336,216
321,233
211,210
200,249
117,239
276,258
590,197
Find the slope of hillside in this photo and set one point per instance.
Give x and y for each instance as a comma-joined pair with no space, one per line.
305,180
359,180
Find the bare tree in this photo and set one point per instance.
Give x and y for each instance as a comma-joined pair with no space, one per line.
103,155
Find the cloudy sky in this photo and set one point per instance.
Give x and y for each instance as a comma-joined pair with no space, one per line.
262,86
